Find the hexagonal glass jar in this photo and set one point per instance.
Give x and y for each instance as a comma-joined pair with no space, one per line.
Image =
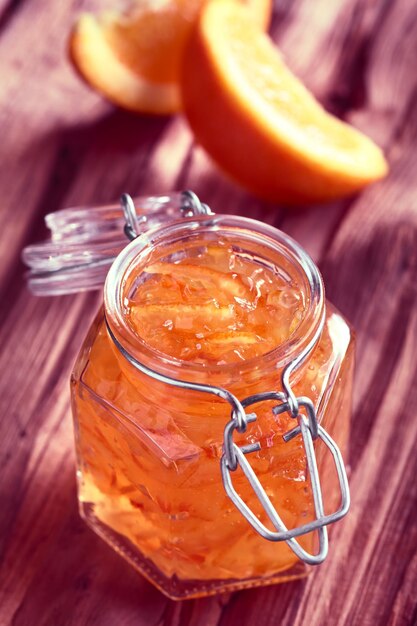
149,479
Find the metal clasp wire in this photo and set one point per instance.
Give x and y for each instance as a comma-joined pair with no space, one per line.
282,533
310,431
190,205
234,456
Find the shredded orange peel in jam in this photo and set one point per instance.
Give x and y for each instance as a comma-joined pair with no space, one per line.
201,314
155,481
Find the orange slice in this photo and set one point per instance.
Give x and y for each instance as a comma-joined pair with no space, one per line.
134,59
226,346
258,121
224,284
184,317
242,337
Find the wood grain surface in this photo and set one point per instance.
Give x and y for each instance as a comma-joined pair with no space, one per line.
62,145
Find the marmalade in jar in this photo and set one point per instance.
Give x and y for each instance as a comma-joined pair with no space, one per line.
229,303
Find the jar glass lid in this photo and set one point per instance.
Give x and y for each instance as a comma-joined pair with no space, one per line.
85,241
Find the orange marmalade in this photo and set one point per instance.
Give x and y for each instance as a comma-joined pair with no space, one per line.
228,303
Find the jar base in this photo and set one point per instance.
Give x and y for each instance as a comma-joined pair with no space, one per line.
174,587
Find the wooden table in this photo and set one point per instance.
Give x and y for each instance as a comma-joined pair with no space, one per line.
63,145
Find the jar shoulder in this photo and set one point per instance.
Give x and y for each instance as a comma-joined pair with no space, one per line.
340,331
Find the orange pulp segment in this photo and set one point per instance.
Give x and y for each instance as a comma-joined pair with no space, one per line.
260,123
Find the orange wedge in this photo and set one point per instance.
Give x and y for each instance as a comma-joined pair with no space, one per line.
134,59
258,121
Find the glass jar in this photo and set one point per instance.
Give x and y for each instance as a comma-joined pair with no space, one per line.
162,480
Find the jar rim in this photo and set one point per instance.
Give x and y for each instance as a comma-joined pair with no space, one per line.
248,229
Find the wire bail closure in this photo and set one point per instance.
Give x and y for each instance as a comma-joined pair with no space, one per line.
129,211
190,205
299,408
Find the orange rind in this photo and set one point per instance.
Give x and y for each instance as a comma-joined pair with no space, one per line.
208,278
182,317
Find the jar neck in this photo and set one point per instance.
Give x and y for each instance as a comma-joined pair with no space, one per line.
268,244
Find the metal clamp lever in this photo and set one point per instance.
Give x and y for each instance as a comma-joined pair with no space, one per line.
309,430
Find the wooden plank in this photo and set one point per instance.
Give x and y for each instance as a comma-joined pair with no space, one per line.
61,144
